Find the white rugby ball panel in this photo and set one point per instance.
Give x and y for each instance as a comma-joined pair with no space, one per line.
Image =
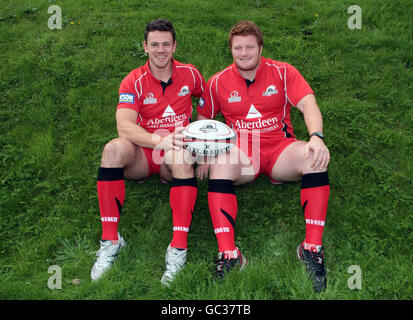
208,147
208,137
208,130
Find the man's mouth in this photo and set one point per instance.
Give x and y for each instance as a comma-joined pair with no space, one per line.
161,58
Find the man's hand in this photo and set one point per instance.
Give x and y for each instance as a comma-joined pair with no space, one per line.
173,141
321,154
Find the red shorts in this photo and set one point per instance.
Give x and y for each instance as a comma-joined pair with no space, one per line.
154,158
264,154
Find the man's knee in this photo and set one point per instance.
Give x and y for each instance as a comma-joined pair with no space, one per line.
180,162
223,168
117,152
229,165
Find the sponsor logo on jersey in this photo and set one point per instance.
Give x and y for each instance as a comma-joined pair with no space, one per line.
169,112
271,90
184,91
253,113
126,98
234,97
258,125
167,121
150,99
168,118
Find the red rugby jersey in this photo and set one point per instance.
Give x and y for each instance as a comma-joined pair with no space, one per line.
262,107
161,107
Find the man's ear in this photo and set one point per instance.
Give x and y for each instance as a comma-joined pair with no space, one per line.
174,46
145,47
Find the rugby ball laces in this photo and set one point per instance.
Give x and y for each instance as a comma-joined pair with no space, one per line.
208,138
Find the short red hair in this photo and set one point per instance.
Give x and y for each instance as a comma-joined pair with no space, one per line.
245,28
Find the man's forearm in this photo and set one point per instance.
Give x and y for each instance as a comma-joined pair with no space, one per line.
312,114
138,135
313,119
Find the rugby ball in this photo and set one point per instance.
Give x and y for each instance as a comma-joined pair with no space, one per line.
208,137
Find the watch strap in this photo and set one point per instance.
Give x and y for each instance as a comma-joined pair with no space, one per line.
318,134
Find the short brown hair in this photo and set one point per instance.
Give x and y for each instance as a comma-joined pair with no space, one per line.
159,25
245,28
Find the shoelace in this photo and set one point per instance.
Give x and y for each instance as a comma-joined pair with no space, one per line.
317,259
224,264
104,257
172,266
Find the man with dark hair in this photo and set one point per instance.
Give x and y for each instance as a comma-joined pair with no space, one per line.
255,95
160,25
154,106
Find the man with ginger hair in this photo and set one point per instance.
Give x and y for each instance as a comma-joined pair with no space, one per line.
255,95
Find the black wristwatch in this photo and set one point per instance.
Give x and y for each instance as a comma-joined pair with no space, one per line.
318,134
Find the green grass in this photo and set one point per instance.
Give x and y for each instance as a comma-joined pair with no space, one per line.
58,94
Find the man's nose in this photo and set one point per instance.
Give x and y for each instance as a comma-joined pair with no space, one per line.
161,47
244,51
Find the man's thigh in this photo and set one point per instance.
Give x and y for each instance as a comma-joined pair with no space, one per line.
137,167
121,153
290,164
148,161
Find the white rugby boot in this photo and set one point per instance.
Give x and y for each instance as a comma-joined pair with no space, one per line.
106,255
175,260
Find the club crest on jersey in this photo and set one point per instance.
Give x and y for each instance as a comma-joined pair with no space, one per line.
184,91
270,91
126,98
201,102
150,99
234,97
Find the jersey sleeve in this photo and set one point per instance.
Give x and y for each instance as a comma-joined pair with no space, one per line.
296,86
208,105
199,82
128,97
